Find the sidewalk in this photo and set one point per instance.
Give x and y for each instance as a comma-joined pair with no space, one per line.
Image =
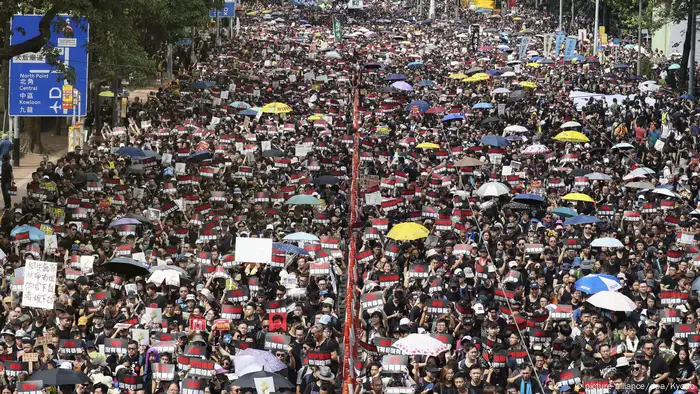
57,147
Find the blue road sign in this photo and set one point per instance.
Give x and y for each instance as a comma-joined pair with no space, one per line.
35,86
229,11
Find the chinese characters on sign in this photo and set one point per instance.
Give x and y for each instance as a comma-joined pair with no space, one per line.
39,284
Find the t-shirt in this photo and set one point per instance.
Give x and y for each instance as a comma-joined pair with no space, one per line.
158,302
6,172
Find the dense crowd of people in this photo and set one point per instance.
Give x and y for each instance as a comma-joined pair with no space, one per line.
525,223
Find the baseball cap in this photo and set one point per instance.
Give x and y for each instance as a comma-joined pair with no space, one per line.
404,321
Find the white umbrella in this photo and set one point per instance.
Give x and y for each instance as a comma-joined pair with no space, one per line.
570,124
301,237
607,242
501,91
598,176
536,149
648,86
515,128
420,344
492,189
666,192
332,55
508,74
246,364
640,172
612,301
171,277
623,145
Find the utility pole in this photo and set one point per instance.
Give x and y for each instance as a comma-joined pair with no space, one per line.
595,31
431,11
691,79
115,100
170,62
561,13
639,40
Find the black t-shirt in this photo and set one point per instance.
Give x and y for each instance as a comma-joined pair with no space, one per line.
476,389
6,172
158,302
657,367
174,318
606,367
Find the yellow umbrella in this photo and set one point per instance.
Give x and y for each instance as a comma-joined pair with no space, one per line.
383,130
315,117
457,76
578,197
571,136
408,232
528,84
481,75
533,64
427,145
517,18
276,108
107,93
252,13
266,11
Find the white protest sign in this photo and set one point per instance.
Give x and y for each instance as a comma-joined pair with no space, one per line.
141,256
373,198
166,159
140,335
266,145
254,250
137,193
302,150
86,264
224,94
50,243
180,168
39,289
264,385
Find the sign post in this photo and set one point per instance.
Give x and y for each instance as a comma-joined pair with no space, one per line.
337,31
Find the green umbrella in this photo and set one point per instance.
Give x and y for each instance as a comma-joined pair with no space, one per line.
303,199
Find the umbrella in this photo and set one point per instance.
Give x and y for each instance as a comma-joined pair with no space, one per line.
571,136
528,84
300,236
403,86
665,192
427,145
451,117
535,149
565,212
395,77
529,198
420,344
289,248
131,151
578,197
607,242
425,83
640,185
420,104
415,65
570,125
687,97
598,176
276,108
326,180
269,361
34,233
246,364
482,106
408,231
332,55
623,146
174,268
492,189
202,85
469,162
123,221
594,283
372,66
500,91
83,177
640,172
515,129
612,301
674,66
59,377
140,218
303,199
457,76
491,119
240,105
126,266
581,219
273,153
518,206
248,380
494,140
248,112
435,110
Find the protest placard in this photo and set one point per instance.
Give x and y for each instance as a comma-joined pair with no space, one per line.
39,284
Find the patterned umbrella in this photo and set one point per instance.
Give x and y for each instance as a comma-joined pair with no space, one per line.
420,344
266,359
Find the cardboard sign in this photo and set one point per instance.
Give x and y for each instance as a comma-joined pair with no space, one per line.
373,301
383,345
388,280
116,345
318,358
672,297
198,323
238,295
538,335
394,363
14,368
201,368
670,316
71,346
130,382
163,372
30,357
419,271
570,378
562,312
195,351
499,359
231,312
194,386
277,341
694,340
439,306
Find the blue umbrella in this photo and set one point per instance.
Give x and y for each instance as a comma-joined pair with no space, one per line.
303,22
565,212
200,156
395,77
202,85
248,112
687,97
422,106
528,198
493,72
289,248
451,117
494,140
674,66
425,83
371,66
482,106
595,283
240,105
415,65
581,219
622,66
131,151
34,233
483,11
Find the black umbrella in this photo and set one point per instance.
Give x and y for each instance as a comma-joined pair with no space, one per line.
491,119
84,177
140,218
59,377
326,180
696,285
273,153
474,70
126,266
248,380
136,169
581,172
517,206
517,95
